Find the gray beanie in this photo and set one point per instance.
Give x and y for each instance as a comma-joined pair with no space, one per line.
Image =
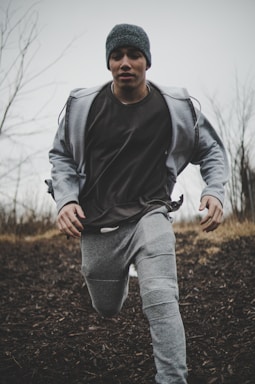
123,35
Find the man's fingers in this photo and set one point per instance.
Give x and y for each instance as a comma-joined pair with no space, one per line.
79,211
68,220
213,218
210,223
68,228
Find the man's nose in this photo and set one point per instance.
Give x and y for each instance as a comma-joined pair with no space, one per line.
125,64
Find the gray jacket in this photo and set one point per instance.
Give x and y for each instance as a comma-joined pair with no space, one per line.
193,141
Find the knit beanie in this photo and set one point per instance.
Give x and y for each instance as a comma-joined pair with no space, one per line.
123,35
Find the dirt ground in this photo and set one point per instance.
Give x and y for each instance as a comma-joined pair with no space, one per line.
49,334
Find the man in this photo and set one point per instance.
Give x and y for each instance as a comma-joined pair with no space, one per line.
115,160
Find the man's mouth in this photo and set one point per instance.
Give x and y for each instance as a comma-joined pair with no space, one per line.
125,75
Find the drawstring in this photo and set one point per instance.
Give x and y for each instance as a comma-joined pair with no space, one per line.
172,206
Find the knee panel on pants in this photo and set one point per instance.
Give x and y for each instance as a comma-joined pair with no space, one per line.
107,296
160,303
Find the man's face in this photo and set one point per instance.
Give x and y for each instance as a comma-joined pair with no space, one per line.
128,66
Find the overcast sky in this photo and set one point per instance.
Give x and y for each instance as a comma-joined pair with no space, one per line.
197,44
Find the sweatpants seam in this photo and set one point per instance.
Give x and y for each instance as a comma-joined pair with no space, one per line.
158,290
176,313
103,280
152,256
159,278
160,303
163,290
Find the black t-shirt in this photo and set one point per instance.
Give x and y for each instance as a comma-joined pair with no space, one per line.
125,149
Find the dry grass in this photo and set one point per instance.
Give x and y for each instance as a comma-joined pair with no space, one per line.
230,229
29,238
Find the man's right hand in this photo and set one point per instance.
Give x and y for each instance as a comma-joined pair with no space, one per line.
68,220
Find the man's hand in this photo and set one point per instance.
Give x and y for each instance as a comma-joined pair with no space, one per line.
68,220
214,215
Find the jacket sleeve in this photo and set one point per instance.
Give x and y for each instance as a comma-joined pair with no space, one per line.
211,156
65,177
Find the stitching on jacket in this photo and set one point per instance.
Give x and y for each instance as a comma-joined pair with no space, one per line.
194,116
67,114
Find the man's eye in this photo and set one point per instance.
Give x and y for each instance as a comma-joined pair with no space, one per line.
134,55
116,56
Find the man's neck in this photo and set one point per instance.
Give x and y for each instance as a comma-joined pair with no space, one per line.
129,95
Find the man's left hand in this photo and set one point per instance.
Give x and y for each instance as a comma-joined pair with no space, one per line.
214,215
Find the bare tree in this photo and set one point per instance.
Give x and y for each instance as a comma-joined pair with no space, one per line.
19,45
237,131
17,40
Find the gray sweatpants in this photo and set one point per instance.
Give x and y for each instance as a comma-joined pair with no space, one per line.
150,245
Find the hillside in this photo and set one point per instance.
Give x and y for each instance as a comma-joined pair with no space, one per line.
51,335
